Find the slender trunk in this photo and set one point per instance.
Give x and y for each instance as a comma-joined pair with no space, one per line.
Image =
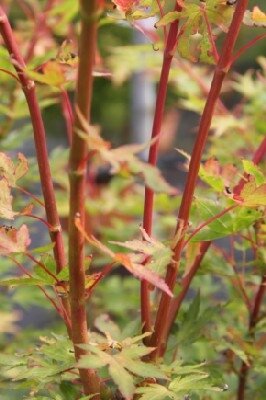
77,178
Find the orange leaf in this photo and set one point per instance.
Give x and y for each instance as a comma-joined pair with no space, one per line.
14,240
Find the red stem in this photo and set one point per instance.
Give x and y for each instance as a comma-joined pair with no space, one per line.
207,222
186,281
68,114
77,177
28,87
209,29
30,195
32,258
24,270
153,154
9,73
260,152
158,339
247,46
254,316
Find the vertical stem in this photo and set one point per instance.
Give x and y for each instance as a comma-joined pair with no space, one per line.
159,336
28,87
153,154
77,178
186,281
254,315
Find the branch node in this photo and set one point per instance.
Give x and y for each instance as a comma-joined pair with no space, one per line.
56,228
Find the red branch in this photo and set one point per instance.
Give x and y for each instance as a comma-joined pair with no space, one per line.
153,154
158,339
28,87
185,284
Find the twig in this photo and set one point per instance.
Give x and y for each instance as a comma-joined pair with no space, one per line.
247,46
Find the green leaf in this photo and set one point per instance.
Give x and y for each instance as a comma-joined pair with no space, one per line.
143,369
43,275
193,383
52,75
129,263
21,281
230,223
118,373
155,392
168,18
104,324
251,195
43,249
194,308
252,169
91,361
159,255
123,380
187,383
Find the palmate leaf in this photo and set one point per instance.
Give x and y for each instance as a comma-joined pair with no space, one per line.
228,224
123,363
53,74
194,43
13,172
193,383
160,254
251,195
252,169
156,392
128,262
6,199
123,157
121,377
125,5
41,364
23,280
216,175
167,19
14,240
255,18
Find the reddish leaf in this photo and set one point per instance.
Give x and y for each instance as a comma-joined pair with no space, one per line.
125,5
123,157
6,198
10,171
255,17
126,260
216,175
143,273
14,240
251,195
53,74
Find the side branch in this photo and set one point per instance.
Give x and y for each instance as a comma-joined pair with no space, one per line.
153,154
159,337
